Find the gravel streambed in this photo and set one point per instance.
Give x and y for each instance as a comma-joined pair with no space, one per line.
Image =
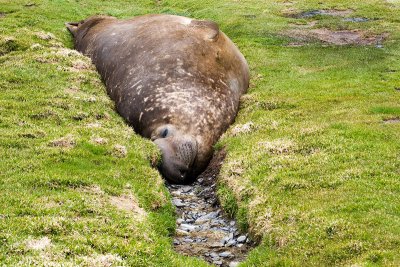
203,230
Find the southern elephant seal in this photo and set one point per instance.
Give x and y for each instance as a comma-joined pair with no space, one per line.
176,80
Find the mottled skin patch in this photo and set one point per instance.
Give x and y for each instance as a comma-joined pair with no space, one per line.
175,80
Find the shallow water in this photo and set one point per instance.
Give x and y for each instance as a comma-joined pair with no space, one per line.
202,229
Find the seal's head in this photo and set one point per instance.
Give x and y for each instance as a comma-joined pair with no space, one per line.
179,153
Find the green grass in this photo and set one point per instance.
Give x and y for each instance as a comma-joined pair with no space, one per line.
316,180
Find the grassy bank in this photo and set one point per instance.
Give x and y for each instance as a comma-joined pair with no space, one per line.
313,158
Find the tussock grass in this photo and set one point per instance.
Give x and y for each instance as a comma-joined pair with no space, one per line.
312,168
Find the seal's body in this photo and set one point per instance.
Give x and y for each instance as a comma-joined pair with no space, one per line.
175,80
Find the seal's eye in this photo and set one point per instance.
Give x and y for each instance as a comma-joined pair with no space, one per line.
164,133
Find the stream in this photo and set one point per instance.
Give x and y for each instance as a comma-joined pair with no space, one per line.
202,228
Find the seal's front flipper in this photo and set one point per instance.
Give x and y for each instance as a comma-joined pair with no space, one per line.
210,28
72,27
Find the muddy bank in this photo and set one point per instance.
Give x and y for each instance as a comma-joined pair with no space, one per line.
309,31
344,37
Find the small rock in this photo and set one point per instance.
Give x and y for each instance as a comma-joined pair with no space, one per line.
205,226
179,221
177,202
225,240
216,245
188,227
218,223
225,254
233,264
200,221
217,262
175,193
186,189
230,243
180,232
176,242
211,215
232,223
241,239
217,258
231,236
214,255
239,245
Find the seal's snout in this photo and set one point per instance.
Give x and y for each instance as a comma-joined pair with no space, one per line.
178,155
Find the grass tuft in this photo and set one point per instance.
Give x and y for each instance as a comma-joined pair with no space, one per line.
312,166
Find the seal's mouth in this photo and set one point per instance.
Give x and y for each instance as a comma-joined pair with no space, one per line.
178,157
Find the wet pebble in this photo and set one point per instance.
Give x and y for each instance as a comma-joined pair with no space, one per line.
216,245
231,235
241,239
178,203
225,254
180,232
225,240
186,189
202,229
230,243
188,227
214,255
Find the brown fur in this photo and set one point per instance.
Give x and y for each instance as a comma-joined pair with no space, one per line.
168,70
